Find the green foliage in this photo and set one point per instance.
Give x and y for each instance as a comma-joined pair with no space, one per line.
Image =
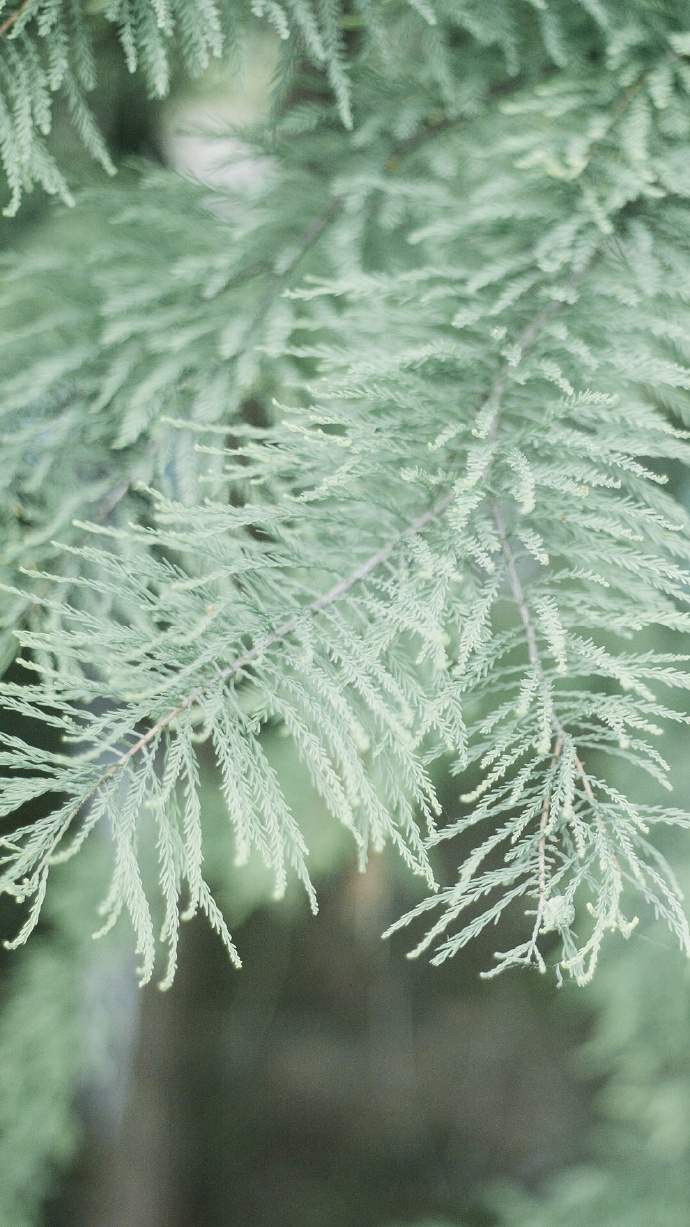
47,51
374,453
371,456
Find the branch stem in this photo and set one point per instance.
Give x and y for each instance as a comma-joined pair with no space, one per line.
492,401
537,664
9,21
241,663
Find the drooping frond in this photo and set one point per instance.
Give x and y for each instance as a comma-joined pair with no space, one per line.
374,454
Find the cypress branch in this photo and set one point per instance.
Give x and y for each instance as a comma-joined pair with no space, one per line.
384,452
443,527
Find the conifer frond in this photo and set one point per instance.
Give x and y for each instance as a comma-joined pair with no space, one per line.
47,53
376,454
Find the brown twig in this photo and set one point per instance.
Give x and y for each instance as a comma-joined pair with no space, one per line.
9,21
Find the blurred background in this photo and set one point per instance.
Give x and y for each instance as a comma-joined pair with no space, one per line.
333,1082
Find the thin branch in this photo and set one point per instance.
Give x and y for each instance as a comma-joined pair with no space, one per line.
618,110
9,21
536,662
355,576
533,946
531,639
433,513
543,826
586,785
241,663
521,603
360,572
313,233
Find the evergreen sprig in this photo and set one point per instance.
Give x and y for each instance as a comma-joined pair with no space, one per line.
378,468
373,452
47,52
